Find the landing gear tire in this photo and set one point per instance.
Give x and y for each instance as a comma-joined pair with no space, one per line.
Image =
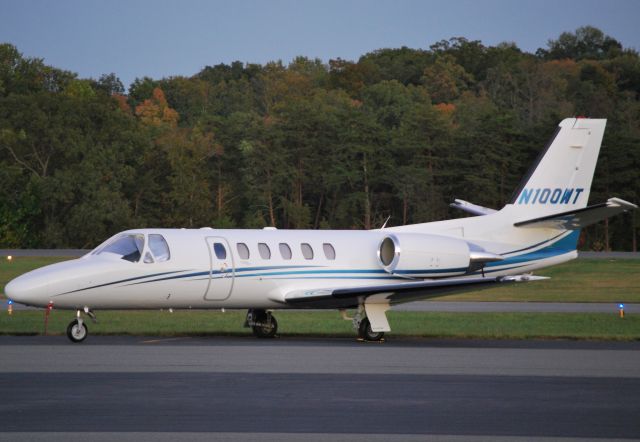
76,331
365,333
266,331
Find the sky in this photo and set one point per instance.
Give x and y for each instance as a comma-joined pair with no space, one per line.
161,38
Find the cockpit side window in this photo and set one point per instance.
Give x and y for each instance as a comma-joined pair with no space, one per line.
129,247
159,247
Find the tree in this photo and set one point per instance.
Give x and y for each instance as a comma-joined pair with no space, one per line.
110,84
155,111
188,201
586,42
445,79
404,64
140,90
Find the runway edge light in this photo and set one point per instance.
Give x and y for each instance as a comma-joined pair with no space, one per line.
10,307
621,310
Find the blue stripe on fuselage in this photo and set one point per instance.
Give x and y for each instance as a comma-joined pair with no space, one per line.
566,244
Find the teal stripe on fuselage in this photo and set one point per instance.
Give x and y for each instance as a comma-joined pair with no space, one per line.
534,245
564,245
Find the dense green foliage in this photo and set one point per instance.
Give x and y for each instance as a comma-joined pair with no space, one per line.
400,133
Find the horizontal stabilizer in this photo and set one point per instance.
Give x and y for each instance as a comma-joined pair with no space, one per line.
471,208
577,219
346,297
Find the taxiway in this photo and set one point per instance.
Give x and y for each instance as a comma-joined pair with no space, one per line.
317,389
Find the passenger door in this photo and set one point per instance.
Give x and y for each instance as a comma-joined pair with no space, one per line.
222,269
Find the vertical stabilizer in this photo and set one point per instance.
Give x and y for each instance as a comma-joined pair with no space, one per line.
560,180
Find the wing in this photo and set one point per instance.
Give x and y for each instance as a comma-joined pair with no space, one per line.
580,218
348,297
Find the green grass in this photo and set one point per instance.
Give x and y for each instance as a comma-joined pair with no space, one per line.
586,280
597,326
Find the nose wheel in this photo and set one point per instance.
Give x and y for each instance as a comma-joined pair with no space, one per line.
77,331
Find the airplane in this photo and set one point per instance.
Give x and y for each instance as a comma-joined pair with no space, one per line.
367,270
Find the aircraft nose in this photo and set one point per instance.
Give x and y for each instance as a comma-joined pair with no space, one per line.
21,290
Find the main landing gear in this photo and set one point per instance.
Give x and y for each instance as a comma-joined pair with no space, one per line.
366,334
362,325
77,330
262,322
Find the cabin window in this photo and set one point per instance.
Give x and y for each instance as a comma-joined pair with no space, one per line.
243,250
307,251
127,247
285,250
159,247
329,251
220,251
264,250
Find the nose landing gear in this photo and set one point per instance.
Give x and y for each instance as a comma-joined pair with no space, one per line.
77,330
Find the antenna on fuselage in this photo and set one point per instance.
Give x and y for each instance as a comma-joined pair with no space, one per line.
385,222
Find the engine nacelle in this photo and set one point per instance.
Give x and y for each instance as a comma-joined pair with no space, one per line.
424,255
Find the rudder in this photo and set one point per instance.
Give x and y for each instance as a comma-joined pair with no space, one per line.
560,180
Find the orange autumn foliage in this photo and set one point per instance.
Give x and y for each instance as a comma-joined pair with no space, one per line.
446,108
122,103
155,111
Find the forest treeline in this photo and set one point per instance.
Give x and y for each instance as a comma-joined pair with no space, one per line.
344,144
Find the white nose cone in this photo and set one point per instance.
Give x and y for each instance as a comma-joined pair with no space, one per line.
16,291
27,290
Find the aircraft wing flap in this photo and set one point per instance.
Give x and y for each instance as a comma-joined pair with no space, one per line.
345,297
580,218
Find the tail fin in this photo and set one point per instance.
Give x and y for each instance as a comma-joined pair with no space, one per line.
560,180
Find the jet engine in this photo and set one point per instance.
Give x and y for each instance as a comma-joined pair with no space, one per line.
424,255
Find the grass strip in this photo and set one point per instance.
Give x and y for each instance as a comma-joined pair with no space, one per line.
593,326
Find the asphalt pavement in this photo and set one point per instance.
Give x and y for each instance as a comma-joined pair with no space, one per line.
151,388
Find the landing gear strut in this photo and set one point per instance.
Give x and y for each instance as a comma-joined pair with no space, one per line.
262,322
363,326
77,330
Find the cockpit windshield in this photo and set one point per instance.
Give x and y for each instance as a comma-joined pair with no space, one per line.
128,247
